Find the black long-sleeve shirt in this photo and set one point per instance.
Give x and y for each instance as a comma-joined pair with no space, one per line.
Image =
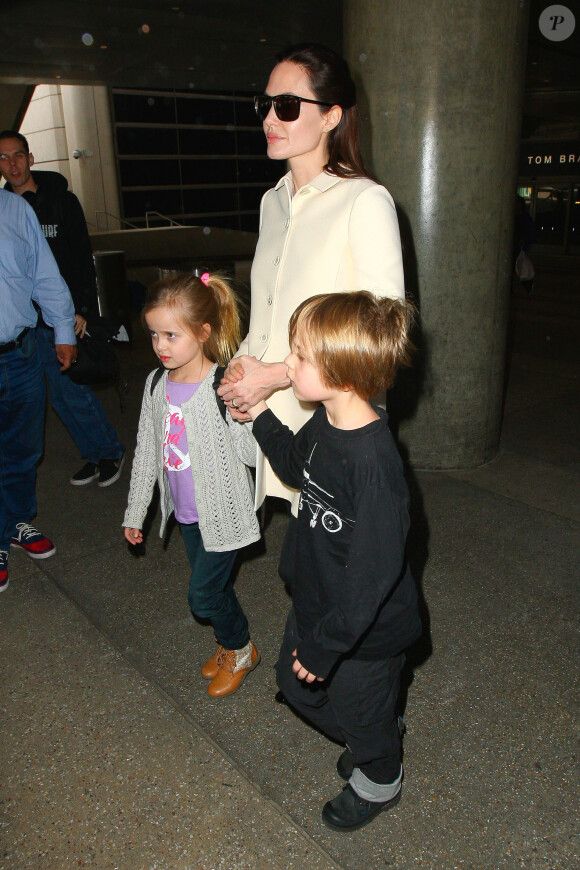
344,559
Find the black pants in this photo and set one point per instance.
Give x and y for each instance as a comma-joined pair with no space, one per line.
355,706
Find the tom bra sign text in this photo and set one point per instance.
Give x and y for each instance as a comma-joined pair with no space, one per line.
550,158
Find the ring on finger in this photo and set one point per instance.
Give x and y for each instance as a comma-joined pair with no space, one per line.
235,404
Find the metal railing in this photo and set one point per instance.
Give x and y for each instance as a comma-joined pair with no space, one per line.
158,214
126,223
115,218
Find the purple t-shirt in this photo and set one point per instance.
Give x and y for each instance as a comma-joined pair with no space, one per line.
176,459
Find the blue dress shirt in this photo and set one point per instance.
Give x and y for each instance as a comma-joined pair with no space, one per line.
28,272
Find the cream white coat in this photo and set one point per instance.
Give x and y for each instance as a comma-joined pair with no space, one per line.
332,235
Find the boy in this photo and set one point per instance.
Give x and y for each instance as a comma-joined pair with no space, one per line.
354,608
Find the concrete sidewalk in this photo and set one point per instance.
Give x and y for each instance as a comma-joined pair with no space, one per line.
113,755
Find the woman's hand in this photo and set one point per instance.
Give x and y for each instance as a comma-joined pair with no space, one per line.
260,380
134,536
80,325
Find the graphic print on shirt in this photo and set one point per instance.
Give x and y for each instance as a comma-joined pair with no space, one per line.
318,501
175,452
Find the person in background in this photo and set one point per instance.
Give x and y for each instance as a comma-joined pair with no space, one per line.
29,276
523,237
354,600
63,223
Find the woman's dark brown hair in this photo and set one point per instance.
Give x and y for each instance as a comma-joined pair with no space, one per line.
331,82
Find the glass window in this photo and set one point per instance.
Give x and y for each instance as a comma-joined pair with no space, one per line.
210,200
144,108
137,202
246,115
200,111
550,223
199,171
218,166
207,142
574,235
250,197
145,173
251,142
263,170
250,222
146,140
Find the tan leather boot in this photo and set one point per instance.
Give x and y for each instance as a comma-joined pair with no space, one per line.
210,669
233,668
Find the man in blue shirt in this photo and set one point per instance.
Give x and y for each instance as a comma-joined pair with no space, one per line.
63,223
28,274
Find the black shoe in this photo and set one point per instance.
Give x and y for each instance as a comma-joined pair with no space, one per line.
347,811
87,474
110,470
345,764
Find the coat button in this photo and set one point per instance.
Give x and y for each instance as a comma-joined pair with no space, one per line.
305,192
269,300
276,260
264,336
287,223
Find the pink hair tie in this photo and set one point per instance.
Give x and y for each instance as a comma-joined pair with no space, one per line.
205,278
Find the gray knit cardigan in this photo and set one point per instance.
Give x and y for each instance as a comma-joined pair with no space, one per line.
219,453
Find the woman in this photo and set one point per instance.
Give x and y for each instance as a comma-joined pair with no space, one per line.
325,227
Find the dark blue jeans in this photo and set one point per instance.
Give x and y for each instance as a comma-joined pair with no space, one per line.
22,403
211,591
78,407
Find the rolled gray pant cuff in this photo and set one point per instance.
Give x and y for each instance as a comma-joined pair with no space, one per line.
376,792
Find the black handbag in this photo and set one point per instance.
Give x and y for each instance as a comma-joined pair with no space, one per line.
96,358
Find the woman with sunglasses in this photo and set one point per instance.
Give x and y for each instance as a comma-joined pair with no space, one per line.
327,226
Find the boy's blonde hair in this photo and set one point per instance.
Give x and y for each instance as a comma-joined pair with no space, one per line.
196,302
356,340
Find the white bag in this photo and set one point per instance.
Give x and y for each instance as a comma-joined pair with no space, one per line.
524,267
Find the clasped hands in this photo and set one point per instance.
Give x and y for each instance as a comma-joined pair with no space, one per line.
247,381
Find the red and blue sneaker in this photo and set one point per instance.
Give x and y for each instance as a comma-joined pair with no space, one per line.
3,570
34,542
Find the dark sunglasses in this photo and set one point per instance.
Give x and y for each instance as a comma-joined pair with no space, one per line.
286,106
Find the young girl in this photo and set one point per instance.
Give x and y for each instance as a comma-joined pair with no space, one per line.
198,460
354,601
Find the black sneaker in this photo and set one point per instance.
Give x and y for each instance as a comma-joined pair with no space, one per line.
110,470
3,570
347,811
345,764
87,474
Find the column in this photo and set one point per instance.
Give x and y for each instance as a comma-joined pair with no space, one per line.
440,91
87,118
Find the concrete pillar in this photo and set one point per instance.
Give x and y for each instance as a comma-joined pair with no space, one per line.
87,120
43,126
441,87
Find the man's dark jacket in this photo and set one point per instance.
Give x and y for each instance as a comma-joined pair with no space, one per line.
63,223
